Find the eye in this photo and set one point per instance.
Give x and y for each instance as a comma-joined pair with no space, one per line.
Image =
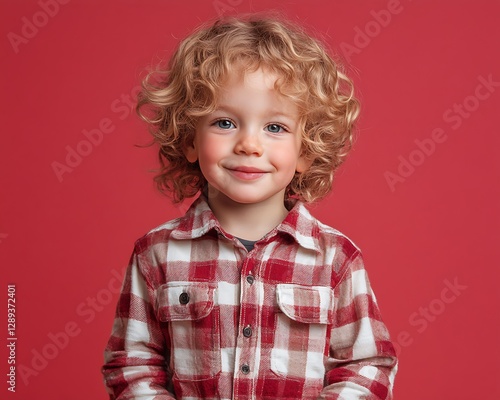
224,124
275,128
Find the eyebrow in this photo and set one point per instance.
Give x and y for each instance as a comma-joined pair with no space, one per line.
228,108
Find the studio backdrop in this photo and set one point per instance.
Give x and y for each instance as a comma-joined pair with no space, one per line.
418,194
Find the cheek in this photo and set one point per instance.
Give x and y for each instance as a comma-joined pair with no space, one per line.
210,150
286,155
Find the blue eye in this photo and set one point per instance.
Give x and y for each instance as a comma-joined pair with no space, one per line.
275,128
224,124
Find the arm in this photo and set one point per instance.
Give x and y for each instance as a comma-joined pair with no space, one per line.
362,363
136,357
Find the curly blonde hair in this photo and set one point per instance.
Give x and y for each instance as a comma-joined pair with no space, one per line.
175,96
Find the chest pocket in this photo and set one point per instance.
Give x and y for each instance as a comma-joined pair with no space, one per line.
301,340
193,327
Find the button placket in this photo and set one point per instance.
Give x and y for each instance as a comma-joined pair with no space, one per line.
245,368
247,338
247,331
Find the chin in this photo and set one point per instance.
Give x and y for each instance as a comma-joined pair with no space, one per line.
243,198
251,199
246,200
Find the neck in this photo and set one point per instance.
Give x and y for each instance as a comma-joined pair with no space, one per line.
249,221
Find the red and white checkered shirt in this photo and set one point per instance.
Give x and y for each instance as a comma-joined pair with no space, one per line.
200,317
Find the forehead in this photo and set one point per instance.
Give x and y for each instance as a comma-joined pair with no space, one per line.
254,78
255,89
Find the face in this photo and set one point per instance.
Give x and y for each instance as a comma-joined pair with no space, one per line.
249,148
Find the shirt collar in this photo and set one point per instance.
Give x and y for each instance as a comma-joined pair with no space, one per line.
302,226
299,224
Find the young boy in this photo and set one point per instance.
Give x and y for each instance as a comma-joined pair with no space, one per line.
248,296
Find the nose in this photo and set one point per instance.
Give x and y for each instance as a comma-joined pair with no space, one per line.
248,143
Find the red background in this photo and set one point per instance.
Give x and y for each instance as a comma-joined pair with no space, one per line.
63,243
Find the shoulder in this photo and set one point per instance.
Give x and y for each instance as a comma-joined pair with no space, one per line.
325,237
340,251
158,235
196,223
329,236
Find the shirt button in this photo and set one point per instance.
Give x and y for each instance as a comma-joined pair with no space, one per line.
245,369
250,279
184,298
247,331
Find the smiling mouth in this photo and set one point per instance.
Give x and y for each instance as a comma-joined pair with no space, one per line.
247,173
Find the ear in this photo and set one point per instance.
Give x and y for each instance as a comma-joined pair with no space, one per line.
303,164
191,153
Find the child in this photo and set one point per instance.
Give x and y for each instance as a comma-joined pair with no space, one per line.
248,296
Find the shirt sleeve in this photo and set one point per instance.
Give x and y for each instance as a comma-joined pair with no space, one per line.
136,356
362,362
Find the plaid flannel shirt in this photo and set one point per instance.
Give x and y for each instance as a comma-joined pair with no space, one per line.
200,317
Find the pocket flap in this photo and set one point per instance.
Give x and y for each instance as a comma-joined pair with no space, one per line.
177,301
307,304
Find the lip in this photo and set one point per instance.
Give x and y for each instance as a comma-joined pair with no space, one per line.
246,169
246,173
